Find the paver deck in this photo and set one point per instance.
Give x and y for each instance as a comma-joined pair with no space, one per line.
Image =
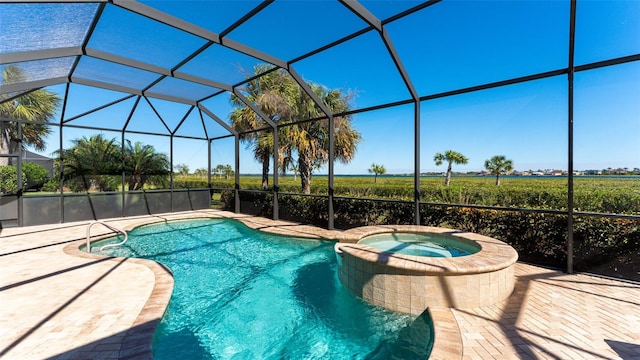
57,303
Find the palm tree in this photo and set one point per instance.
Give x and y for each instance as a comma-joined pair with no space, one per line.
37,107
281,99
271,93
143,163
92,162
219,170
227,170
377,170
451,157
498,165
311,139
202,172
182,169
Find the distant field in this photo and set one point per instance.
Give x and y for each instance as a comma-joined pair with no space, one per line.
594,194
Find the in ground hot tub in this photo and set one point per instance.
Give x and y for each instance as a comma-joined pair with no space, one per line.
408,268
421,244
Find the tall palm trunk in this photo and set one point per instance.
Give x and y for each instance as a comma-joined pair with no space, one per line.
497,179
306,168
447,180
131,183
265,171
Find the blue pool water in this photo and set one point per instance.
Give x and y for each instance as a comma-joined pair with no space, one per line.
244,294
420,244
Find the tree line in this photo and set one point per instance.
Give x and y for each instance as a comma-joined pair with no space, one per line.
218,171
497,165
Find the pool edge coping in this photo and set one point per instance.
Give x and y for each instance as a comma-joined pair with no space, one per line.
137,342
447,340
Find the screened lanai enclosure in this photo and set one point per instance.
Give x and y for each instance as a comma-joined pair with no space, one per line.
284,108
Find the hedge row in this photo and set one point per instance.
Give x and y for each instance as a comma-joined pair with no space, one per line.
603,245
34,176
190,183
606,195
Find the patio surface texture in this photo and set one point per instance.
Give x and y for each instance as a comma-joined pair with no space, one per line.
59,303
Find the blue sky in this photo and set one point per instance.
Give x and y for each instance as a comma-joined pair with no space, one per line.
451,45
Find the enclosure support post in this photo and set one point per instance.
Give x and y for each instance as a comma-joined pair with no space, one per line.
171,173
60,161
370,18
61,168
416,164
209,143
276,161
20,191
237,175
570,72
274,127
332,155
124,175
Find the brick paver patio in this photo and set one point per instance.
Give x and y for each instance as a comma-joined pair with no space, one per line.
59,304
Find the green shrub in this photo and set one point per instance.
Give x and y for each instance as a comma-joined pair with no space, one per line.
601,241
51,185
9,179
35,176
88,182
184,182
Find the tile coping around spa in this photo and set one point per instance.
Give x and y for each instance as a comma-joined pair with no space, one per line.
494,254
137,342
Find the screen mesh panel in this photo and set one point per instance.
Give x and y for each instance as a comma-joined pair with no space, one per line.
27,27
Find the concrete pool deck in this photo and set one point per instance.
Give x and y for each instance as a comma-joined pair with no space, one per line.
58,303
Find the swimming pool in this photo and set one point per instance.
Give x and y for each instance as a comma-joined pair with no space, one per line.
245,294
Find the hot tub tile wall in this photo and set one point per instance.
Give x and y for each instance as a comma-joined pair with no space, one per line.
413,293
411,284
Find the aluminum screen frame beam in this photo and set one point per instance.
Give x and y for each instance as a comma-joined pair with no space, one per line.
44,54
570,83
103,85
217,119
160,16
30,85
276,160
103,55
153,68
332,140
64,121
177,23
152,13
17,95
373,21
